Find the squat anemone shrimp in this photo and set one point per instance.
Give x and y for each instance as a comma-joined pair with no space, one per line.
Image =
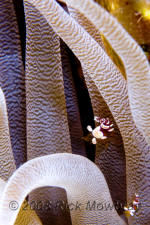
102,130
130,211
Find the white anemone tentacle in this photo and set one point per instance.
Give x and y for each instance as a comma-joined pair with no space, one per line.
26,215
2,185
45,97
81,178
135,62
7,162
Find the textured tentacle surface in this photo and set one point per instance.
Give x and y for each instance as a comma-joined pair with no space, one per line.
70,69
26,216
2,185
12,79
47,124
72,172
136,64
7,163
113,88
74,120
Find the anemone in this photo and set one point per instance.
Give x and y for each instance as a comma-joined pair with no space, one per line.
127,103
